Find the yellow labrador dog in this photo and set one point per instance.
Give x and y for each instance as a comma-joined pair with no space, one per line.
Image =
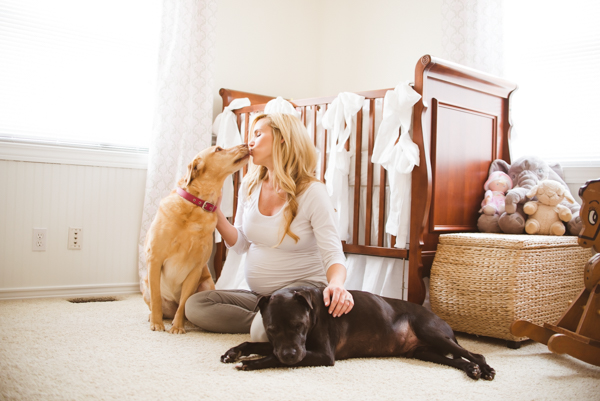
179,242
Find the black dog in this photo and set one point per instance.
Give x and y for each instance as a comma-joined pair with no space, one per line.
302,333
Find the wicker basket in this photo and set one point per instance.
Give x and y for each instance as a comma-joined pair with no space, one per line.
481,283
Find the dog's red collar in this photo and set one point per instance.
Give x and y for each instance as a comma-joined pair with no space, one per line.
209,207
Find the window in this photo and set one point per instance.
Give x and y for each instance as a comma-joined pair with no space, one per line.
552,51
78,72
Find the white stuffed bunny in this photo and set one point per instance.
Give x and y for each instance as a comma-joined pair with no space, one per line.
546,216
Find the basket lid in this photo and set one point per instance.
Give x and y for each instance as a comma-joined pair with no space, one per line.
508,241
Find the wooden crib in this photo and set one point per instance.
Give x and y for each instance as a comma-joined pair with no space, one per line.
461,124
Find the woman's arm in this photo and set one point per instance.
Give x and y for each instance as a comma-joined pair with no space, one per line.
233,235
321,212
225,228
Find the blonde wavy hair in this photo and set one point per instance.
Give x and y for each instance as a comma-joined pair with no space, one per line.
294,164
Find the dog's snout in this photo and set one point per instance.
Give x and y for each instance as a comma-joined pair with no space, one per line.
289,356
289,353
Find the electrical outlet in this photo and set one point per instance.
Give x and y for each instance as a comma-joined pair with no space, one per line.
39,239
75,235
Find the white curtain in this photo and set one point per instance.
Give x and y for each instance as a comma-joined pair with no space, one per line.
184,101
472,34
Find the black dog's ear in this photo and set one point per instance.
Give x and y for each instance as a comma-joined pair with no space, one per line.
262,302
304,297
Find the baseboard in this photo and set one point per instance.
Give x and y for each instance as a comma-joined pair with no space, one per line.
580,174
70,291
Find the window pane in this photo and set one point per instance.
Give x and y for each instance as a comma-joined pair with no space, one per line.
552,51
78,71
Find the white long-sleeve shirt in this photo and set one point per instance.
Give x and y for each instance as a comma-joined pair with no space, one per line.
268,269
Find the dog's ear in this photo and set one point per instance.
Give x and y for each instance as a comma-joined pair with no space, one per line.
263,301
194,169
304,297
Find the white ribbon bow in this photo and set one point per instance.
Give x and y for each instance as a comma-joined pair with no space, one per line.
340,112
398,159
280,105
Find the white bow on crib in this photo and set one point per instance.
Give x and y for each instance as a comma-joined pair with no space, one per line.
398,159
226,129
341,111
280,105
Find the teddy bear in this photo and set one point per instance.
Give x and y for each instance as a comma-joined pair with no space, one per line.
546,215
495,187
525,172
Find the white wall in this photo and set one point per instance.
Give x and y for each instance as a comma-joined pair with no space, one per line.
299,49
375,44
267,47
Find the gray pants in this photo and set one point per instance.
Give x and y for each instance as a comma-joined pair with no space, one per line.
226,311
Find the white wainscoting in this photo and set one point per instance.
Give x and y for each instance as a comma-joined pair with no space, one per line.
103,200
576,176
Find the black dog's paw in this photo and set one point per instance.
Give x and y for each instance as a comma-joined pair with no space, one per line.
247,365
487,372
242,366
473,371
231,355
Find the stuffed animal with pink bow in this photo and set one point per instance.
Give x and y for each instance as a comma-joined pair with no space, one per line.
496,187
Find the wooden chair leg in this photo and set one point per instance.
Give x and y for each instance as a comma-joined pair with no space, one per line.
564,344
589,326
523,328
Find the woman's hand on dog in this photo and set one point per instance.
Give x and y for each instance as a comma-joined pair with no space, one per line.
335,296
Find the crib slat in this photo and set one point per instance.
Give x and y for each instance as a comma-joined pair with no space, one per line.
245,135
314,133
246,127
324,152
382,187
369,216
357,176
237,177
381,231
236,187
393,238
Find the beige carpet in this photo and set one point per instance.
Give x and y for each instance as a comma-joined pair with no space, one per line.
51,349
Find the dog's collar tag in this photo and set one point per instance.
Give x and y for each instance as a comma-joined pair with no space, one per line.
209,207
